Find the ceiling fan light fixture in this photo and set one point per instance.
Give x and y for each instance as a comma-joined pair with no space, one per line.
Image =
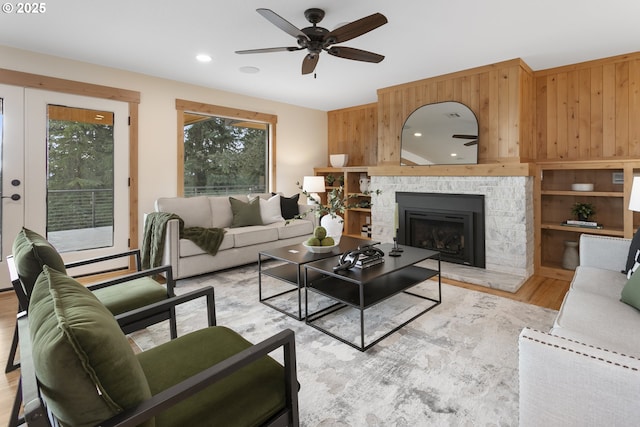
203,57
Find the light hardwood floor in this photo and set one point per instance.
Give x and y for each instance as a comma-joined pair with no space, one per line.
537,290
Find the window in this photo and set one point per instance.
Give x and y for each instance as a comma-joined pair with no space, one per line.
224,151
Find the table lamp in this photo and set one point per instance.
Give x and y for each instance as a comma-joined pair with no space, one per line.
634,199
313,185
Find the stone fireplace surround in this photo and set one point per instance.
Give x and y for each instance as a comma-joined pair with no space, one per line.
509,224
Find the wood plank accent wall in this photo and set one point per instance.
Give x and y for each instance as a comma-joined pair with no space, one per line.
501,96
354,131
590,110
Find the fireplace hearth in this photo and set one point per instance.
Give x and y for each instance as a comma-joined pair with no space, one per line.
452,224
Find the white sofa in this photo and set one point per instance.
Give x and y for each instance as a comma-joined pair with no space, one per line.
586,370
239,246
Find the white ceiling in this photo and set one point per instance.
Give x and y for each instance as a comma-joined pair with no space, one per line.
423,38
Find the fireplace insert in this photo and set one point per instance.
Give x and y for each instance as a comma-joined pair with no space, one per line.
452,224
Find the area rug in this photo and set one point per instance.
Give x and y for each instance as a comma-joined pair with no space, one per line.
457,365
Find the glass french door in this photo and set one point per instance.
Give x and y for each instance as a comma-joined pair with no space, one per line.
11,172
65,172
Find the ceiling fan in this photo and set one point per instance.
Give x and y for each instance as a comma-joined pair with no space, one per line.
316,39
466,144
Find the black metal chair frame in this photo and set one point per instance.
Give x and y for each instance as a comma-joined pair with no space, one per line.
36,413
166,271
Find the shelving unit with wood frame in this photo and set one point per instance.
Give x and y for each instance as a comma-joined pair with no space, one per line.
354,219
553,199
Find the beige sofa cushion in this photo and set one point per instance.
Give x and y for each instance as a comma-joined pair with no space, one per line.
253,235
599,320
194,211
188,248
295,228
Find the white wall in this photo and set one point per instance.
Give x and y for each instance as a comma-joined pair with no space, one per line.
301,132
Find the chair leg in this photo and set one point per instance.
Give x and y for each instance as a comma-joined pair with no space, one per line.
15,419
173,325
11,365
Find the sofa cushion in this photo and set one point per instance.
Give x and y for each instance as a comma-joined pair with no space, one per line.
31,252
248,397
81,353
599,281
600,321
188,248
194,211
221,214
245,214
295,228
253,235
270,210
289,206
631,292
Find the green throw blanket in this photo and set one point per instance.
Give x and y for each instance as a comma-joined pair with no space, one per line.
208,239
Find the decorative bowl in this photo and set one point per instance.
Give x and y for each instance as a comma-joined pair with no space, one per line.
582,187
318,249
338,160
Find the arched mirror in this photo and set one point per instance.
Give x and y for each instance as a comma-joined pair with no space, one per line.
440,134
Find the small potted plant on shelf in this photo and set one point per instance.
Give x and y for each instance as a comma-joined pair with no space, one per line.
337,204
330,180
583,211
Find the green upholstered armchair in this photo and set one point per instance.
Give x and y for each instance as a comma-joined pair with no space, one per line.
79,369
122,294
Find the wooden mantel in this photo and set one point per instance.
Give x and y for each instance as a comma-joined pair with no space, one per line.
495,169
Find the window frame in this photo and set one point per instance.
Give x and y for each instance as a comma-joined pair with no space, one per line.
184,106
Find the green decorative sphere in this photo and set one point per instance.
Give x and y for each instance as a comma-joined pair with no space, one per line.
313,241
320,232
328,241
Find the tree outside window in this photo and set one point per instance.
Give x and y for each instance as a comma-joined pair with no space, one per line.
224,156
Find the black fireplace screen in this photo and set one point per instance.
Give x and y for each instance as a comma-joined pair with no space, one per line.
449,234
452,224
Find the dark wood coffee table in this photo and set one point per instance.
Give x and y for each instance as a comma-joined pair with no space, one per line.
364,288
295,257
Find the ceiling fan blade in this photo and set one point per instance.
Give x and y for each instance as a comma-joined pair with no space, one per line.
269,49
467,144
355,54
282,23
463,136
357,28
309,63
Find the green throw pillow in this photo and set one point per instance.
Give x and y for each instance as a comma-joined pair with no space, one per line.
631,291
245,214
31,252
86,367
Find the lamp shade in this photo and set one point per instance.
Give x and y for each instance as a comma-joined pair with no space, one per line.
634,200
313,184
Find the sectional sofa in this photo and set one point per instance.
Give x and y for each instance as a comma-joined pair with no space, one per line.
585,371
241,242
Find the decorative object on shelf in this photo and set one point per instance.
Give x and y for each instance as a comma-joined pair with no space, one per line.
583,211
364,183
570,258
311,186
582,187
337,204
338,160
330,180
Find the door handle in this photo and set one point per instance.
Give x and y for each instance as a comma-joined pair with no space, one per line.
14,197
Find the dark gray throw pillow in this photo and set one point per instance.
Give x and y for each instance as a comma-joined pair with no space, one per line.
289,206
633,249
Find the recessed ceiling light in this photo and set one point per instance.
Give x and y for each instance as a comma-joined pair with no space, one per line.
418,134
249,70
453,154
203,57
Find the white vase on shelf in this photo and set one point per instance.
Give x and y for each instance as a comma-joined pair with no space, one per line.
364,184
333,226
